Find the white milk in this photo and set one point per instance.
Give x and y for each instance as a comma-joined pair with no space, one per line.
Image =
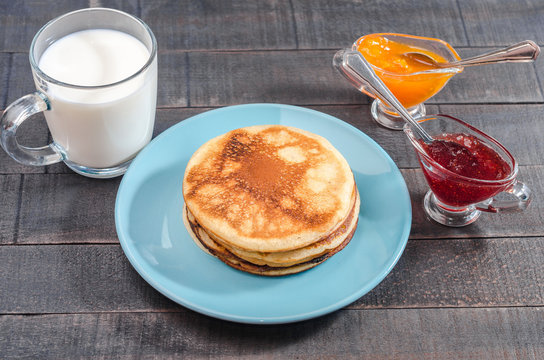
102,127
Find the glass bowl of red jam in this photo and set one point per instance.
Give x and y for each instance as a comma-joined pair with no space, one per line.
412,82
467,171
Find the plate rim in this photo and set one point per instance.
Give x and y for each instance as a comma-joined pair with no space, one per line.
140,269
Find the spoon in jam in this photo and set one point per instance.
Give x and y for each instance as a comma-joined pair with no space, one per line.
356,61
524,51
449,153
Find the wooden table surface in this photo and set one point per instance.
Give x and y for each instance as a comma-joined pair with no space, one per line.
68,291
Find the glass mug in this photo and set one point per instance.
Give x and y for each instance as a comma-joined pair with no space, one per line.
97,129
457,200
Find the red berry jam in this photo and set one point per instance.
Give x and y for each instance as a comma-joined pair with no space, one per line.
469,157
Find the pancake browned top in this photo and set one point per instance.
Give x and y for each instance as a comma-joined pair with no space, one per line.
268,188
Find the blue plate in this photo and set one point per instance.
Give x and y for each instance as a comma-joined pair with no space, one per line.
148,216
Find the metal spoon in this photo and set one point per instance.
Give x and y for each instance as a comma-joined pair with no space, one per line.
358,64
521,52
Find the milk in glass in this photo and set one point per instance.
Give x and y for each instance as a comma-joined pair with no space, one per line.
99,127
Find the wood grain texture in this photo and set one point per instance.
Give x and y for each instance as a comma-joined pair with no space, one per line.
21,20
216,24
510,333
495,83
539,66
203,79
527,223
518,127
502,22
173,80
166,118
89,277
301,78
67,208
57,208
308,78
33,133
9,207
20,78
5,64
395,143
463,273
337,24
440,273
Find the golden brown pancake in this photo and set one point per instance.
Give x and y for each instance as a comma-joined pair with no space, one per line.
338,238
268,188
270,199
296,256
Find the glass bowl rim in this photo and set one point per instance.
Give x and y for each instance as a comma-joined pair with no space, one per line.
488,138
445,71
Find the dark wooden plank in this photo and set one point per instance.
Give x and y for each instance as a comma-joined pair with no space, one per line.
5,64
497,83
31,133
469,273
173,80
59,208
20,78
307,78
73,278
539,66
441,273
518,127
230,25
303,78
395,143
527,223
9,208
167,118
502,22
67,208
22,19
336,24
511,333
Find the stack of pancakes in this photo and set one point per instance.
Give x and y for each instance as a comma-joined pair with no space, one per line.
270,199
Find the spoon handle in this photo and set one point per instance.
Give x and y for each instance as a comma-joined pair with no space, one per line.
521,52
358,64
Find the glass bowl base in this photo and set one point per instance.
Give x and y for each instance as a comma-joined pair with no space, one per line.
96,173
391,119
453,218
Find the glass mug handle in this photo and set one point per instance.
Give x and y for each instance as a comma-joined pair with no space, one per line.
522,198
14,115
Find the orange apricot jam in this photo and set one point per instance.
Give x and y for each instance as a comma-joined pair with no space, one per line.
411,81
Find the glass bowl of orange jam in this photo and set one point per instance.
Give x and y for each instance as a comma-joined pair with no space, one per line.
411,81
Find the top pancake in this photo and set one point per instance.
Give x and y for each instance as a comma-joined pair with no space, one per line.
268,188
